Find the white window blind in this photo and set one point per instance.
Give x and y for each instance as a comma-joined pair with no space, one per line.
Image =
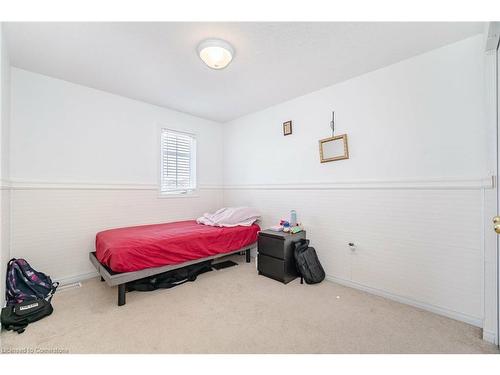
178,159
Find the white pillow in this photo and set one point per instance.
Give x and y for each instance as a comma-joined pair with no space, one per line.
230,217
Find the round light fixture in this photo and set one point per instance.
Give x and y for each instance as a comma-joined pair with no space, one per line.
216,53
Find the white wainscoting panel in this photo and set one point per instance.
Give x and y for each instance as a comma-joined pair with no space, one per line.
423,246
419,246
54,228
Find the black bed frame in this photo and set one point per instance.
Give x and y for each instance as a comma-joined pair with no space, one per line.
121,279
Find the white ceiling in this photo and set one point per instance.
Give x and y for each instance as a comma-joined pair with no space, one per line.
157,62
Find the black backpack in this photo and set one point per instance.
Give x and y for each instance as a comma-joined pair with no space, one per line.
170,279
28,294
25,283
16,318
307,263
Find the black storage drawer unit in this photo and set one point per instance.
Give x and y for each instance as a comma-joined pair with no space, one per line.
275,258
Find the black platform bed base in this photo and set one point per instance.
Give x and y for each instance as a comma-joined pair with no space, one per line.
121,279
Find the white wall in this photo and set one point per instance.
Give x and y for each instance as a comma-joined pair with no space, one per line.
66,132
83,160
410,196
4,165
420,118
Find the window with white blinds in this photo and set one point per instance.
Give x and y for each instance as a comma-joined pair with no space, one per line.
178,162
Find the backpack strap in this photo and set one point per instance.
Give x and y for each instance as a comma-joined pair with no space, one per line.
54,287
11,261
53,290
19,328
168,285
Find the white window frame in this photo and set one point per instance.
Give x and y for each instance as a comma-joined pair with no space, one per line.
193,167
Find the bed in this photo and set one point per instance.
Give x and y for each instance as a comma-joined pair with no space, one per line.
127,254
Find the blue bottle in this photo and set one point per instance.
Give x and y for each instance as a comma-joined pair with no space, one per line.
293,218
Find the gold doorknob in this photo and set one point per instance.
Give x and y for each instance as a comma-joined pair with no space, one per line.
496,221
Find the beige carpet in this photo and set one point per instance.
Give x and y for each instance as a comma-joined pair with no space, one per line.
235,311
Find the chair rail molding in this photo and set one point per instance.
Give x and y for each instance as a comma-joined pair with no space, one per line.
477,183
17,184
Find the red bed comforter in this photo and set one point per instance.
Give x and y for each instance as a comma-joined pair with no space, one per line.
136,248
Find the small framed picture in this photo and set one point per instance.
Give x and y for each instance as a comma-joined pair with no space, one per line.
287,128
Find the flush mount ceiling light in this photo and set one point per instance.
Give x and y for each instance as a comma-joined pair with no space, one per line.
216,53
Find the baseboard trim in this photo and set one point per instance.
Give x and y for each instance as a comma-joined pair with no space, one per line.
77,278
475,321
490,337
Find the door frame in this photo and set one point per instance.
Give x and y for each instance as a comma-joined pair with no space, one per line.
491,197
497,107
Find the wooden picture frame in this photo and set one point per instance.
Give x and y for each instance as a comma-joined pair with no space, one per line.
287,127
333,148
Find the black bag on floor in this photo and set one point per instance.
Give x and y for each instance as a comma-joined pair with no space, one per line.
17,317
25,283
307,262
170,279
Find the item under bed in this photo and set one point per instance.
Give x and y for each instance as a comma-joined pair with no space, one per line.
137,248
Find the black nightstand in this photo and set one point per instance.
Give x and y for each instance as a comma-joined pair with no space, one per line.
275,258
